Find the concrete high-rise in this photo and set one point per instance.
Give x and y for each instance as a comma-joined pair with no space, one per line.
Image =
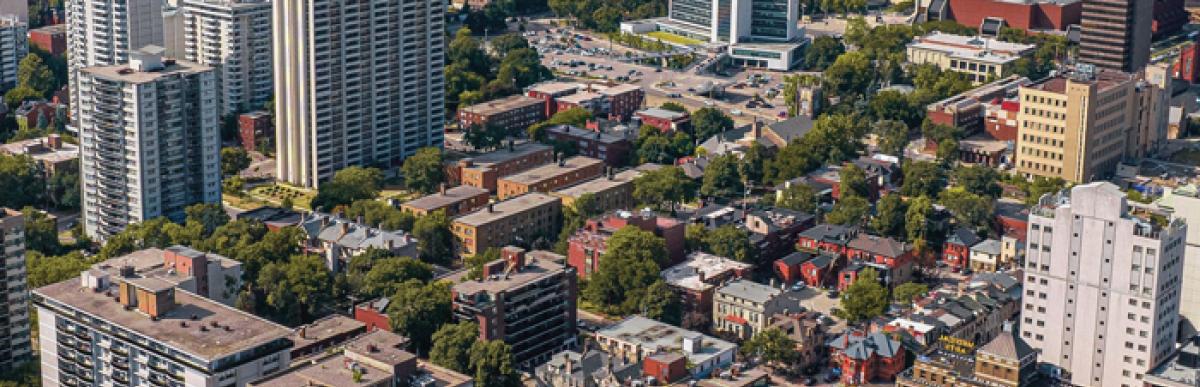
15,316
1116,34
105,32
150,141
1102,286
356,83
233,37
13,47
1184,202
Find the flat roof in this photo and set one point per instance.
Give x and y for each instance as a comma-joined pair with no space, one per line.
599,184
506,208
502,105
651,335
38,149
662,113
539,264
619,89
1103,79
579,98
505,154
971,47
687,274
235,330
552,170
439,200
125,73
554,87
325,328
581,133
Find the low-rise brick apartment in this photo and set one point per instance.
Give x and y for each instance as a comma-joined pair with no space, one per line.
483,170
525,217
510,113
550,177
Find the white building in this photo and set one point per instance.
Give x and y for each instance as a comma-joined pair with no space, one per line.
979,58
234,37
149,133
119,325
755,33
356,83
636,338
1102,287
14,44
1184,202
15,318
106,32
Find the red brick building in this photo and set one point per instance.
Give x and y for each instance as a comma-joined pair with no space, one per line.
374,314
665,367
51,38
819,271
253,126
549,92
973,110
829,238
622,100
774,232
698,277
615,150
665,120
485,170
1028,15
956,251
511,113
587,245
1012,219
865,358
803,266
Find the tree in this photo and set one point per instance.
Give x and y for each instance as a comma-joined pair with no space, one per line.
296,290
49,269
493,364
1041,186
823,52
969,210
465,50
41,232
771,346
656,149
233,160
922,178
753,164
17,95
849,76
916,221
484,137
800,197
380,214
864,299
418,310
209,215
348,185
666,186
893,137
452,345
693,237
630,264
661,303
731,242
34,74
506,43
435,242
908,292
979,180
708,121
62,190
854,182
387,275
721,178
849,211
22,179
424,171
889,216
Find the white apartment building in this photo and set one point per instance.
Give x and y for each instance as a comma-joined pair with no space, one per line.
1184,203
356,83
14,318
234,37
1102,286
14,44
127,324
105,32
150,142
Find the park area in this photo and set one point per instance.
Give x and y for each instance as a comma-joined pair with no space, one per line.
276,193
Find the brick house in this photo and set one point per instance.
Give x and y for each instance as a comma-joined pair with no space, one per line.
549,92
622,101
866,357
587,245
665,120
52,38
956,251
374,314
513,113
697,278
774,232
897,257
830,238
253,126
789,268
665,366
484,170
817,271
614,149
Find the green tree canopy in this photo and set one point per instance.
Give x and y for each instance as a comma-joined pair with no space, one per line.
771,346
854,181
890,216
799,197
978,180
233,160
492,361
33,73
629,265
864,299
348,185
435,242
721,178
452,345
424,171
922,178
708,121
418,310
381,214
664,188
731,242
849,211
908,292
296,290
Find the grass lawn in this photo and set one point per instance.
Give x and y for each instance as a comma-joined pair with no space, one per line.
275,193
672,38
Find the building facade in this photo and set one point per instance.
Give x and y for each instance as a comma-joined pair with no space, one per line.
587,246
13,48
743,308
611,192
550,177
106,32
16,317
513,113
356,83
525,217
637,338
483,170
1184,202
1102,286
1116,34
980,59
614,149
526,299
233,37
51,38
150,142
454,201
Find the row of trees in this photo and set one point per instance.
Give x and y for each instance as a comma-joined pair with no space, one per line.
473,75
605,16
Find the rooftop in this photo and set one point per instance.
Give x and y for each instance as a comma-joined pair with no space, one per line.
502,105
124,73
662,113
619,89
43,149
451,196
196,325
554,87
503,155
599,184
972,47
988,246
884,246
506,208
655,336
605,137
538,264
1103,79
325,328
579,98
552,170
1180,369
700,265
354,235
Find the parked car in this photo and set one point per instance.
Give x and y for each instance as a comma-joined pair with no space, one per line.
798,286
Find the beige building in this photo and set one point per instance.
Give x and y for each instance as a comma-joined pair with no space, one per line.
550,177
978,58
986,256
611,192
376,359
744,308
526,217
1079,125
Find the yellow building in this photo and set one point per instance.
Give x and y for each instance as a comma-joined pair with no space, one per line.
550,177
526,217
978,58
609,192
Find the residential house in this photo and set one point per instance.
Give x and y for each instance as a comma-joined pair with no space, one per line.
956,251
697,278
591,369
775,231
867,357
637,338
338,239
986,256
